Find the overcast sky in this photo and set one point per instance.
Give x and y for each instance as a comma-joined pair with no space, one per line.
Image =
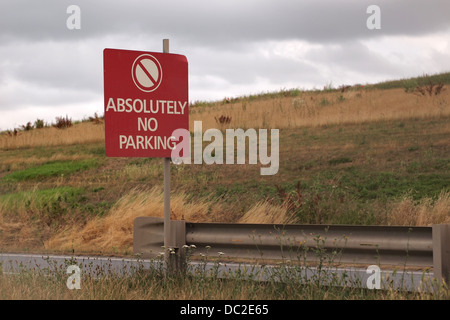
233,47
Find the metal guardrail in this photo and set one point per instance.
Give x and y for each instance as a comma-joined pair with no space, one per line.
421,253
421,247
344,244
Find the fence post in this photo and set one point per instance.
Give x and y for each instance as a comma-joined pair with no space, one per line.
441,252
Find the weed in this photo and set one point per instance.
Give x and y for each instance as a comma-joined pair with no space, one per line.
328,87
39,124
96,119
430,89
340,98
62,123
344,88
27,127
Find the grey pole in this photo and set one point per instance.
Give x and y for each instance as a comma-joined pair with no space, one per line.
174,231
167,228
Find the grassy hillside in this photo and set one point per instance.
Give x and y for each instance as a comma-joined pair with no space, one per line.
376,154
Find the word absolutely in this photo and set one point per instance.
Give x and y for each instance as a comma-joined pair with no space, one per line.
74,281
73,22
214,152
146,106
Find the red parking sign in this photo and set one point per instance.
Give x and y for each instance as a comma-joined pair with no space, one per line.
146,99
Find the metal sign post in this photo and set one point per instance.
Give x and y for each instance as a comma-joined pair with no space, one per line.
168,238
167,229
174,231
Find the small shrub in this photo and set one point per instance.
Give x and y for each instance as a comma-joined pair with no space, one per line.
344,88
438,88
430,89
39,124
27,127
96,119
62,123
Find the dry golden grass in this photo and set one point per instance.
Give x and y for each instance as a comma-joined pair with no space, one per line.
317,109
116,229
17,233
425,213
265,212
306,110
85,132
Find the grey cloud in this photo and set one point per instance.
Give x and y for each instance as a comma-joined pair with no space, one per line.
353,56
18,94
223,23
249,65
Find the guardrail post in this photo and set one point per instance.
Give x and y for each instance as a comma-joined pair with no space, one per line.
441,252
176,259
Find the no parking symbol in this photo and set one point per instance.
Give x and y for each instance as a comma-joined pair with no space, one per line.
147,73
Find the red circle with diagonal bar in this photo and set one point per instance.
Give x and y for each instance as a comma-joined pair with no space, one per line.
147,73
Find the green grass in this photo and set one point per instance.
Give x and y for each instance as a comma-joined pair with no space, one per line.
411,83
54,205
48,203
40,197
51,169
385,185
